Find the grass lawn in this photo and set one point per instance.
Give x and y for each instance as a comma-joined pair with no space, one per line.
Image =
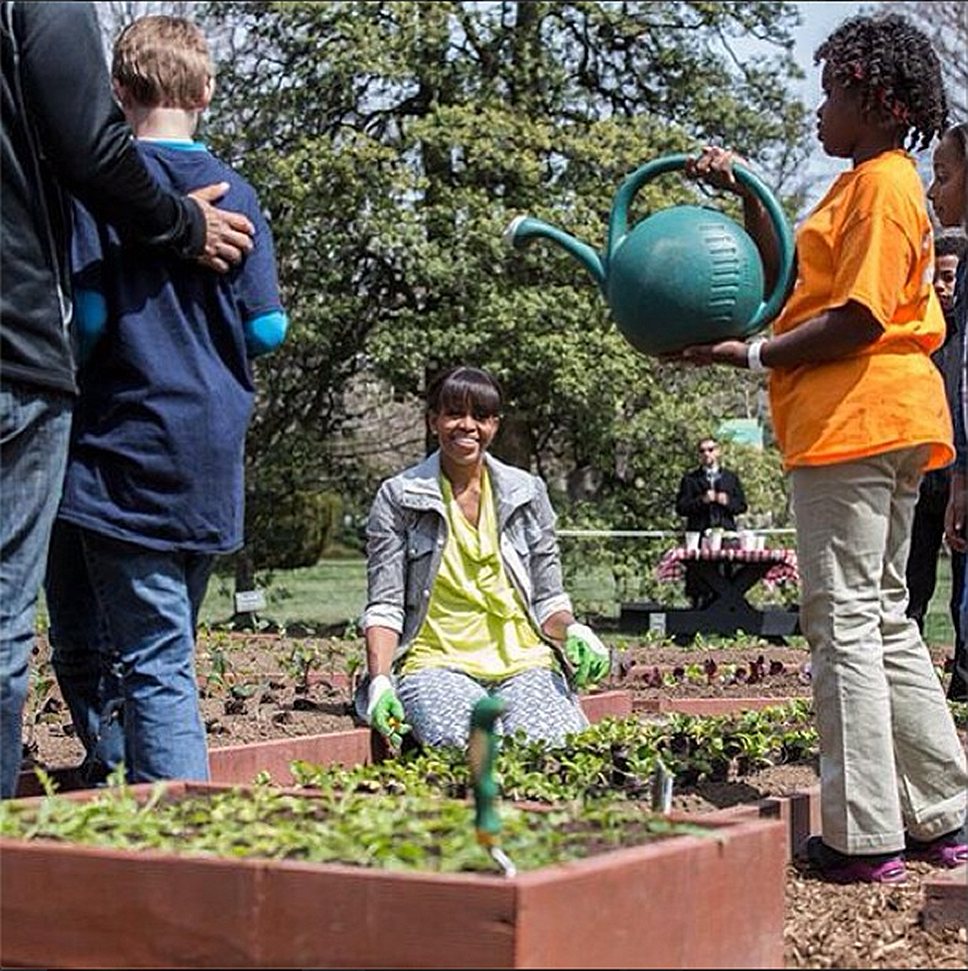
331,592
334,592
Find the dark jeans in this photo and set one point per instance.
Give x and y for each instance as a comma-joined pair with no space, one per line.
922,573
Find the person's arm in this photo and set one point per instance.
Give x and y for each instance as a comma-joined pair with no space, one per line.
547,586
956,511
831,335
384,710
381,644
265,333
386,550
84,138
690,498
715,166
384,615
736,498
556,625
586,658
954,517
257,286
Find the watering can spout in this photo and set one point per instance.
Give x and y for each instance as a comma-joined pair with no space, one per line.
523,228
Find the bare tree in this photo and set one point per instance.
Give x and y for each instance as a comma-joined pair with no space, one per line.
946,23
115,14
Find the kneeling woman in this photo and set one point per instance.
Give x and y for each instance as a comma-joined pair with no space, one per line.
465,595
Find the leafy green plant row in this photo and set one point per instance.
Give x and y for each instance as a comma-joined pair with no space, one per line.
381,831
613,759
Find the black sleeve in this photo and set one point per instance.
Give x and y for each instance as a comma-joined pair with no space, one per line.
83,134
737,500
689,499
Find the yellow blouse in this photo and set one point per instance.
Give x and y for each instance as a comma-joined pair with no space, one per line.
475,620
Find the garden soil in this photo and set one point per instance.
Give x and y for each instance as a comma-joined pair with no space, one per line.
255,687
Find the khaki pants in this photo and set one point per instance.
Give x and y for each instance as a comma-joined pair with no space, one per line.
890,759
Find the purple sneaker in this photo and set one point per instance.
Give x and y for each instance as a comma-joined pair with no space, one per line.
949,850
838,867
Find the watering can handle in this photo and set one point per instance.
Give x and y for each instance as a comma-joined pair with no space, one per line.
618,224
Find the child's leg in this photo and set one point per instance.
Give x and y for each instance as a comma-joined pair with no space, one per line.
438,705
86,668
540,703
150,599
929,757
842,514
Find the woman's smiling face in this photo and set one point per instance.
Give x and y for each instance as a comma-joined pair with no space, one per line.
463,436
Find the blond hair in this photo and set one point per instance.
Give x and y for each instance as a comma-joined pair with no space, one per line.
163,62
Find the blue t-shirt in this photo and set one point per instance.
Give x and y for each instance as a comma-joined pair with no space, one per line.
158,437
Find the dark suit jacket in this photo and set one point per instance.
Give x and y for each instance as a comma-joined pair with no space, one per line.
701,515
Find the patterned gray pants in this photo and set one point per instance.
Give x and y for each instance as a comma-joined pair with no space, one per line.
438,704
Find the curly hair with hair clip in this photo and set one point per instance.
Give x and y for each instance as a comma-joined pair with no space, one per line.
895,68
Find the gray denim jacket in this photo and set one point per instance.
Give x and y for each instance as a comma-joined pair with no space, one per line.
407,530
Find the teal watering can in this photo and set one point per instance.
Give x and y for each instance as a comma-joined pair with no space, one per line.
685,275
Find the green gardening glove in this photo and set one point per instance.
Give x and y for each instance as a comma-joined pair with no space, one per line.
384,711
588,656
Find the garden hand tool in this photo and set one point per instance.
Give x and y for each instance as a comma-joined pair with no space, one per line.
482,753
686,275
384,711
587,655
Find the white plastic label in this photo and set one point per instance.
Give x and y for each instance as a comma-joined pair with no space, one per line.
247,601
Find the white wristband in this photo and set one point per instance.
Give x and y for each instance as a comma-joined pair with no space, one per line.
753,350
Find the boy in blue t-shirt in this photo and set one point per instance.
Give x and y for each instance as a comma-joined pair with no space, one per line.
154,485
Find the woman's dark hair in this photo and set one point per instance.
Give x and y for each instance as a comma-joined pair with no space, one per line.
465,389
896,69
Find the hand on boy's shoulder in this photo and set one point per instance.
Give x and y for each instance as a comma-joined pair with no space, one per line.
228,235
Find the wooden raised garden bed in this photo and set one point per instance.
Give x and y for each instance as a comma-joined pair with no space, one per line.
713,901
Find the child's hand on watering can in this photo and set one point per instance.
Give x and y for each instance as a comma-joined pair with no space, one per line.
730,352
715,167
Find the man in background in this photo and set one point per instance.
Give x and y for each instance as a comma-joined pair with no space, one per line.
709,497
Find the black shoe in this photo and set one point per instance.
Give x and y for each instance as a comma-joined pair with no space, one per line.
957,689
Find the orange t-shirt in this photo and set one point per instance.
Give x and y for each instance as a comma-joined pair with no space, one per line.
867,240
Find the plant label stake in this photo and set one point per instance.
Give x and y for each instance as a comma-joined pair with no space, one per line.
662,780
482,753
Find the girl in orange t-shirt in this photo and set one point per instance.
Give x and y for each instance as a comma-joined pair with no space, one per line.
859,412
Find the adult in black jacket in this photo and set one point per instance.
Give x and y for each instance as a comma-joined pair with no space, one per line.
62,134
709,496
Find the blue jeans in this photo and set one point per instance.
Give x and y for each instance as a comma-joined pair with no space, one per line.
125,660
88,669
34,432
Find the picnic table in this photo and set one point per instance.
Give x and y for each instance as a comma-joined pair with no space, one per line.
728,575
